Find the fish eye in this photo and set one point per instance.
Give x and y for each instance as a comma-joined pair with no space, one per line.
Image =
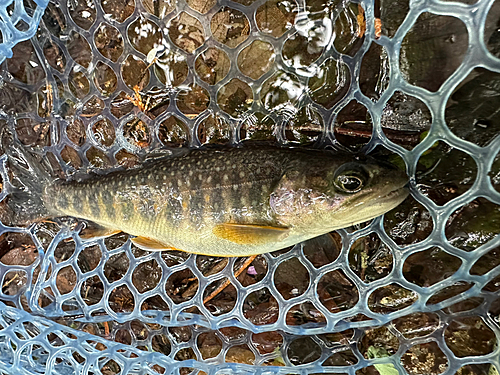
349,183
350,180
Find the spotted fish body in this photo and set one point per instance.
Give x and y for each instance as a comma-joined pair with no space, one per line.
232,202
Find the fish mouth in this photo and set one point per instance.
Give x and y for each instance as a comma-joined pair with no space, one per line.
396,193
398,189
371,205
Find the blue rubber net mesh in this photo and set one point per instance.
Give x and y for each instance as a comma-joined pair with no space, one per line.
18,23
106,84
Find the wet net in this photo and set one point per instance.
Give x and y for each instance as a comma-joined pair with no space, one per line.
18,23
106,84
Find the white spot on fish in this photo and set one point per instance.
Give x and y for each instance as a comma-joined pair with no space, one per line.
209,179
172,173
226,177
164,177
200,177
190,173
217,169
242,174
179,182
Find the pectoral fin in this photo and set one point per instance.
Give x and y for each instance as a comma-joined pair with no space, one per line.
93,230
149,244
244,234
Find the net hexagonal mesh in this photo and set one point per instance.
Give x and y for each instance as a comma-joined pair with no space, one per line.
18,23
105,84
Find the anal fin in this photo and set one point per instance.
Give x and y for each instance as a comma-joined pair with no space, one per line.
148,244
93,230
246,234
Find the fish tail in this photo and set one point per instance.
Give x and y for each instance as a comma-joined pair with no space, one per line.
28,181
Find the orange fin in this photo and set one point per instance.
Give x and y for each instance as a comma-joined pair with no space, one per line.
149,244
96,231
246,234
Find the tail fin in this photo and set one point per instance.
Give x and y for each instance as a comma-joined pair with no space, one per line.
28,181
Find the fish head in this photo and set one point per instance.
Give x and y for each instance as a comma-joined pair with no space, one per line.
327,193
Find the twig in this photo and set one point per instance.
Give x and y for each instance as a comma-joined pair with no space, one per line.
194,287
404,137
137,99
353,132
226,283
7,283
106,328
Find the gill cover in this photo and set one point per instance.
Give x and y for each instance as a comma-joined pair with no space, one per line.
317,188
299,193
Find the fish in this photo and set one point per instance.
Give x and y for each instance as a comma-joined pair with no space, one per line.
231,202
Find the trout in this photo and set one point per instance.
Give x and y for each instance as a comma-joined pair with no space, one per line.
231,202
